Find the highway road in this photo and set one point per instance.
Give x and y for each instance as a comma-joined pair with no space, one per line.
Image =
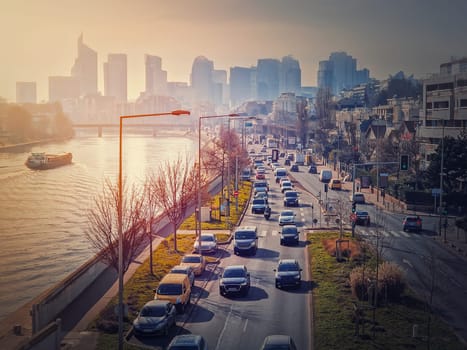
237,322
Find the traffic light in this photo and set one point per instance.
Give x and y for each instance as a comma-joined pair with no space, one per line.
404,162
354,207
325,187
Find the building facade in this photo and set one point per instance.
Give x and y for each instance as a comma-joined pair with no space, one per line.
26,92
84,69
115,77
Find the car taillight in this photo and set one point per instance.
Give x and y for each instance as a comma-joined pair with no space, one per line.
419,222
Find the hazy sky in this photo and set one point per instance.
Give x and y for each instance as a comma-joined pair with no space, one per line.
38,38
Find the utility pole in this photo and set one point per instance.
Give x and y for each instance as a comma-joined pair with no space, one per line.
441,174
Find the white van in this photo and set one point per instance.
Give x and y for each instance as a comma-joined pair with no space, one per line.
325,175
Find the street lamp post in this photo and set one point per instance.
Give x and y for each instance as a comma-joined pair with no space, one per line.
120,213
198,217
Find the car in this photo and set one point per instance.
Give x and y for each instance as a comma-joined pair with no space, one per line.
286,217
282,155
262,194
245,240
289,234
287,162
184,270
412,223
258,206
264,150
188,342
325,175
335,184
260,176
234,279
286,186
275,165
283,179
156,317
208,244
291,199
294,168
260,185
288,273
358,198
175,288
278,342
362,218
196,261
279,173
313,169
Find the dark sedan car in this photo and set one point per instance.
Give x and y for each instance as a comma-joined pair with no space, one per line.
363,218
234,279
294,168
288,273
289,235
291,199
156,317
412,223
278,342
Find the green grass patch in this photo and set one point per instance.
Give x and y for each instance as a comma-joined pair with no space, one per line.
219,222
334,309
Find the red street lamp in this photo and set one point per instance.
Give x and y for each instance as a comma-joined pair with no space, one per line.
120,219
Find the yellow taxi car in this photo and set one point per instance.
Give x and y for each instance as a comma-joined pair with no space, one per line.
335,184
196,261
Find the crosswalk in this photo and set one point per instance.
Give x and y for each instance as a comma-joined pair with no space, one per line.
372,233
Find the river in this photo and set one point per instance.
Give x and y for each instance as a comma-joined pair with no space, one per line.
43,212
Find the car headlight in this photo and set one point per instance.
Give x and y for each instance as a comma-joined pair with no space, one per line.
297,277
243,283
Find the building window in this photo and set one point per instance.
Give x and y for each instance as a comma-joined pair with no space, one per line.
441,105
429,105
446,86
463,103
461,82
432,87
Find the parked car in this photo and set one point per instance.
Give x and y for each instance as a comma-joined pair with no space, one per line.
234,279
286,217
184,270
363,218
412,223
175,288
291,199
156,317
335,184
258,206
196,261
288,273
188,342
289,235
208,244
294,168
358,198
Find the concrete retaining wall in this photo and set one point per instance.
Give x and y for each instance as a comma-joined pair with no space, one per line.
49,338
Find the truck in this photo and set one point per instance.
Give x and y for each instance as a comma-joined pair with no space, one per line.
299,158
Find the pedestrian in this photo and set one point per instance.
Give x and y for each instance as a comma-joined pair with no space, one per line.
358,187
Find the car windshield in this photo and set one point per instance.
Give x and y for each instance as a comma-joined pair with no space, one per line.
153,311
169,289
412,219
229,273
259,184
180,271
258,201
287,213
191,259
286,183
289,230
245,235
362,213
184,347
207,238
291,194
287,267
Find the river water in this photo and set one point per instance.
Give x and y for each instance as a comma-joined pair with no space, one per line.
43,212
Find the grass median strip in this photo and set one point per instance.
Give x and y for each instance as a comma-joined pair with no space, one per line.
334,312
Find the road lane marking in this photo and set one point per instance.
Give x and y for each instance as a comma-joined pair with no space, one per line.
405,261
245,326
225,327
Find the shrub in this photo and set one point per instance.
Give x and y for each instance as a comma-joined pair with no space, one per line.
390,281
359,277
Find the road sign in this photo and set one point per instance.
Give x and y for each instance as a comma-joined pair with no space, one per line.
353,217
236,193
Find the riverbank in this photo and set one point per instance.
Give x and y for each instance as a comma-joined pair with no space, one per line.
18,146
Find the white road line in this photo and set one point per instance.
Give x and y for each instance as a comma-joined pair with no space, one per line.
405,234
263,233
274,233
407,262
395,234
245,326
225,327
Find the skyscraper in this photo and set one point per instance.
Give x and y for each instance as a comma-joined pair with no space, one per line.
202,79
240,85
115,77
267,78
62,88
156,78
291,75
85,68
26,92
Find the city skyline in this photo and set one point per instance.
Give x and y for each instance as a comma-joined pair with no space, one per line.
415,37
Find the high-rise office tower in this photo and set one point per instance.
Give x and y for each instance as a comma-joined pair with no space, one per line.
325,72
26,92
240,85
85,68
115,77
291,75
156,78
62,88
202,79
267,78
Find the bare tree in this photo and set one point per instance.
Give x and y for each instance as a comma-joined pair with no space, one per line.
175,186
102,231
153,209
